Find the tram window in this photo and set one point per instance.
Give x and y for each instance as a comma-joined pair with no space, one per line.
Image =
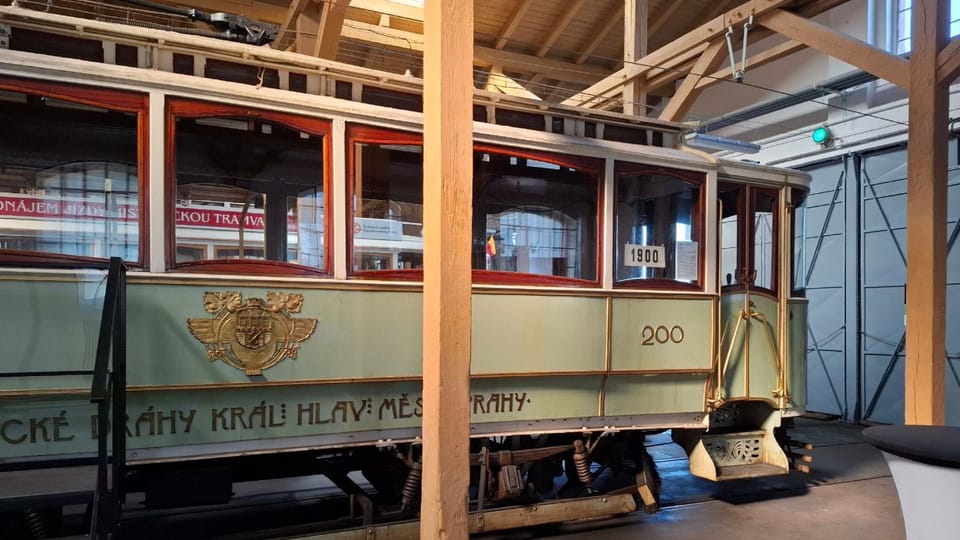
191,253
731,202
388,207
764,239
657,226
799,200
69,183
249,184
532,214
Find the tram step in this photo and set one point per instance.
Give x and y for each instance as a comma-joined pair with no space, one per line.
756,470
745,454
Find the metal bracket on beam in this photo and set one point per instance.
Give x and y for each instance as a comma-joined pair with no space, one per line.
738,73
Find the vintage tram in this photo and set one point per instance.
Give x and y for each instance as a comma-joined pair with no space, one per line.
268,209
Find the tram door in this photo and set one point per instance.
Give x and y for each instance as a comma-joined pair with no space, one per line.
749,365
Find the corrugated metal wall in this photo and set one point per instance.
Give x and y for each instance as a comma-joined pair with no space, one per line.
855,263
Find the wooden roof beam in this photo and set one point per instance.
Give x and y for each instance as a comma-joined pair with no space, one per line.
635,41
498,82
948,62
719,7
512,23
681,63
757,60
393,9
331,24
857,53
657,78
704,33
513,61
551,69
569,13
615,17
682,101
663,17
284,35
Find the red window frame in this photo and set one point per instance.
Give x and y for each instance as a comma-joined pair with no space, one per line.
117,100
746,235
752,236
698,216
186,108
365,134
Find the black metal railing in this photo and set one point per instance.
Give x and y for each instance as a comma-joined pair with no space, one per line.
109,390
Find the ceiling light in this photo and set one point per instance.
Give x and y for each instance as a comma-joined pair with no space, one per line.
704,141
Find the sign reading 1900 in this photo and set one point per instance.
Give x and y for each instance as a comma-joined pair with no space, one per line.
649,256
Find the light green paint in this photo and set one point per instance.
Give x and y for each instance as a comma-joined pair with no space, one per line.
763,359
163,419
632,315
358,334
48,325
649,394
797,355
514,333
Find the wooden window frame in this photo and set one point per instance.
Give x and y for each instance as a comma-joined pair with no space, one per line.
365,134
746,235
777,196
699,216
189,108
115,100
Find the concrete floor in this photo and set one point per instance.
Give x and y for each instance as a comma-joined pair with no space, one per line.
848,495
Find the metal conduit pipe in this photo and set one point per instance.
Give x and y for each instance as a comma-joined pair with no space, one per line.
830,86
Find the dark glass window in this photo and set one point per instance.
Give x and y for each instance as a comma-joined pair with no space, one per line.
532,214
388,211
731,207
748,236
799,202
69,183
658,225
765,239
249,186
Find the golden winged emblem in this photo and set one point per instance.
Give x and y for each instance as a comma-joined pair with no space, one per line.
252,334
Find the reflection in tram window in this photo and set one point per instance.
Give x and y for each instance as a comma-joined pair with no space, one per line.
657,225
251,187
764,235
537,217
731,202
187,252
388,213
748,236
532,216
69,183
799,202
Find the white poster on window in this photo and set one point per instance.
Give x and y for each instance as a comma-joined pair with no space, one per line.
688,261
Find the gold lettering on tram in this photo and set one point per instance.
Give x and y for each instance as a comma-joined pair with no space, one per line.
661,334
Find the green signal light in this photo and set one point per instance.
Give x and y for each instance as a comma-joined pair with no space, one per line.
820,135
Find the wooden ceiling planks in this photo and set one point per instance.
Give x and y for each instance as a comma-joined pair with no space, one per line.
553,47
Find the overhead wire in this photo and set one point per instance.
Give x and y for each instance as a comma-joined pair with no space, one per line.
415,60
535,67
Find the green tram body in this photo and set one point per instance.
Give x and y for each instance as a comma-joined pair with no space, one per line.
579,358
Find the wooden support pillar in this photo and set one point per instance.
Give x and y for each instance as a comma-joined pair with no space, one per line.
447,220
635,38
924,401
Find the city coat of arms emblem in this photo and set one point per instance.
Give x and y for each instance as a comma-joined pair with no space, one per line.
252,334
